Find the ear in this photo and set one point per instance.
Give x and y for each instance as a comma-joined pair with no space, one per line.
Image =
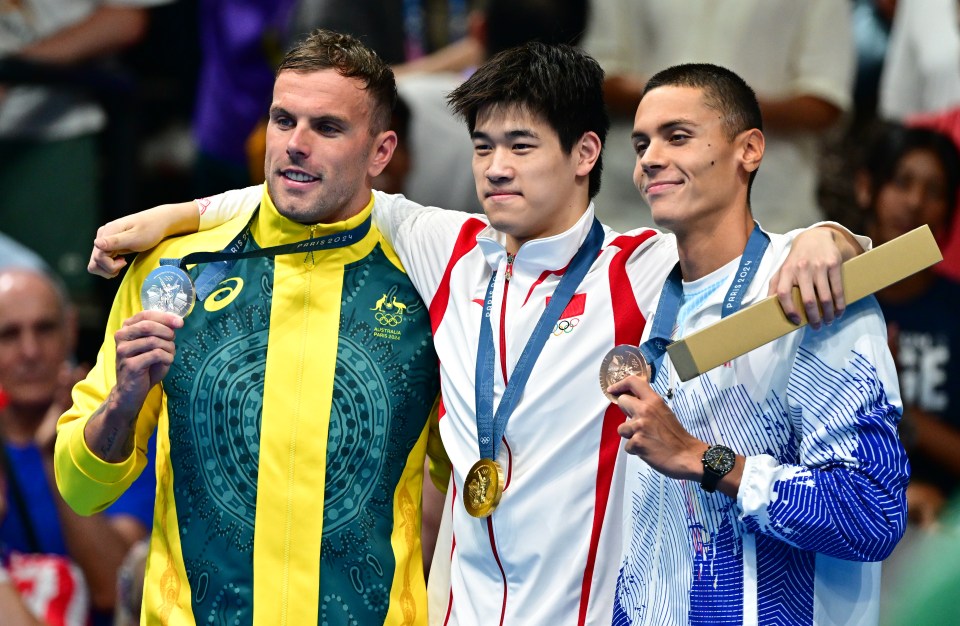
587,151
861,190
381,152
752,145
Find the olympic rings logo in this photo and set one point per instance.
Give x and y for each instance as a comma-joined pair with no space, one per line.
388,319
565,326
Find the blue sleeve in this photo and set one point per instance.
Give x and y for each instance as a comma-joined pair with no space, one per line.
843,491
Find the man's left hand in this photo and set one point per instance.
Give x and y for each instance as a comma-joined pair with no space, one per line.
813,265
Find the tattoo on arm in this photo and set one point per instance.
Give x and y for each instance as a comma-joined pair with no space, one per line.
109,449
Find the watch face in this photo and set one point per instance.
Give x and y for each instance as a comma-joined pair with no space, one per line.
719,459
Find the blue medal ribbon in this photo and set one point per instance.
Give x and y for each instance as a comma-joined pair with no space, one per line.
490,427
671,296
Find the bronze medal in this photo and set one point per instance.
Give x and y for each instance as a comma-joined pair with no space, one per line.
483,487
622,361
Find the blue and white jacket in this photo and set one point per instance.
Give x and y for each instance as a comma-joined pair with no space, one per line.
821,501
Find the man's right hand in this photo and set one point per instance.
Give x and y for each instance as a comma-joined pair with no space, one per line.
138,232
145,352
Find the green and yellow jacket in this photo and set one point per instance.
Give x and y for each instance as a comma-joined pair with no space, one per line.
292,432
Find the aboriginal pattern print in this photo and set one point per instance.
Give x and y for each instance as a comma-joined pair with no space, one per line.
215,401
384,335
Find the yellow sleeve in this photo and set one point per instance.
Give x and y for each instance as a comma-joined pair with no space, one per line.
439,461
86,482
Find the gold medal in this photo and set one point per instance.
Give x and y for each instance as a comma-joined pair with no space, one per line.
622,361
483,487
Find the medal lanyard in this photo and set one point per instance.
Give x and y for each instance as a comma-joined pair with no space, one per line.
490,428
671,296
222,262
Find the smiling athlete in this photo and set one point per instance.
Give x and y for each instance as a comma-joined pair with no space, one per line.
767,490
524,303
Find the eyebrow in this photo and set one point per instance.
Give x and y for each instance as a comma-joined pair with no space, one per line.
278,110
666,126
513,134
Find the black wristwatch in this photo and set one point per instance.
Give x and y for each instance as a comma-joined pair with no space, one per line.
717,462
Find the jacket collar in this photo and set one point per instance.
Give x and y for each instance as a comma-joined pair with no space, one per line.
538,255
272,229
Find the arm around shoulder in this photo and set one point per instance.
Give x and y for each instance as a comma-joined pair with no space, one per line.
814,266
144,230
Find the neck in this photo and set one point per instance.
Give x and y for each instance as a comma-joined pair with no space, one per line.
19,424
564,220
706,248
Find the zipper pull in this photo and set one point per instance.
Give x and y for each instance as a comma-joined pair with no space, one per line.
509,272
308,260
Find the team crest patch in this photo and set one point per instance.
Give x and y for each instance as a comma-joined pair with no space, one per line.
388,313
570,318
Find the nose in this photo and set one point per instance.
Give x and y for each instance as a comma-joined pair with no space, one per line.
651,159
915,196
297,144
29,345
499,165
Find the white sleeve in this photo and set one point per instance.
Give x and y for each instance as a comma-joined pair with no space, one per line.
424,238
921,72
611,36
865,242
221,208
826,56
936,34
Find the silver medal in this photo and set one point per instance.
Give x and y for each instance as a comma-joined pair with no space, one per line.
168,288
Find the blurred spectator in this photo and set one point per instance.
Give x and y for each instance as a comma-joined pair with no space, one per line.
11,604
12,254
394,29
442,173
37,331
39,589
240,44
49,134
130,585
948,123
909,178
921,73
871,22
798,56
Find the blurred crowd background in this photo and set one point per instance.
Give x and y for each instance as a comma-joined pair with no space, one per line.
109,107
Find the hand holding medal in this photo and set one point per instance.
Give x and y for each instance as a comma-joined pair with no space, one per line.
625,360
